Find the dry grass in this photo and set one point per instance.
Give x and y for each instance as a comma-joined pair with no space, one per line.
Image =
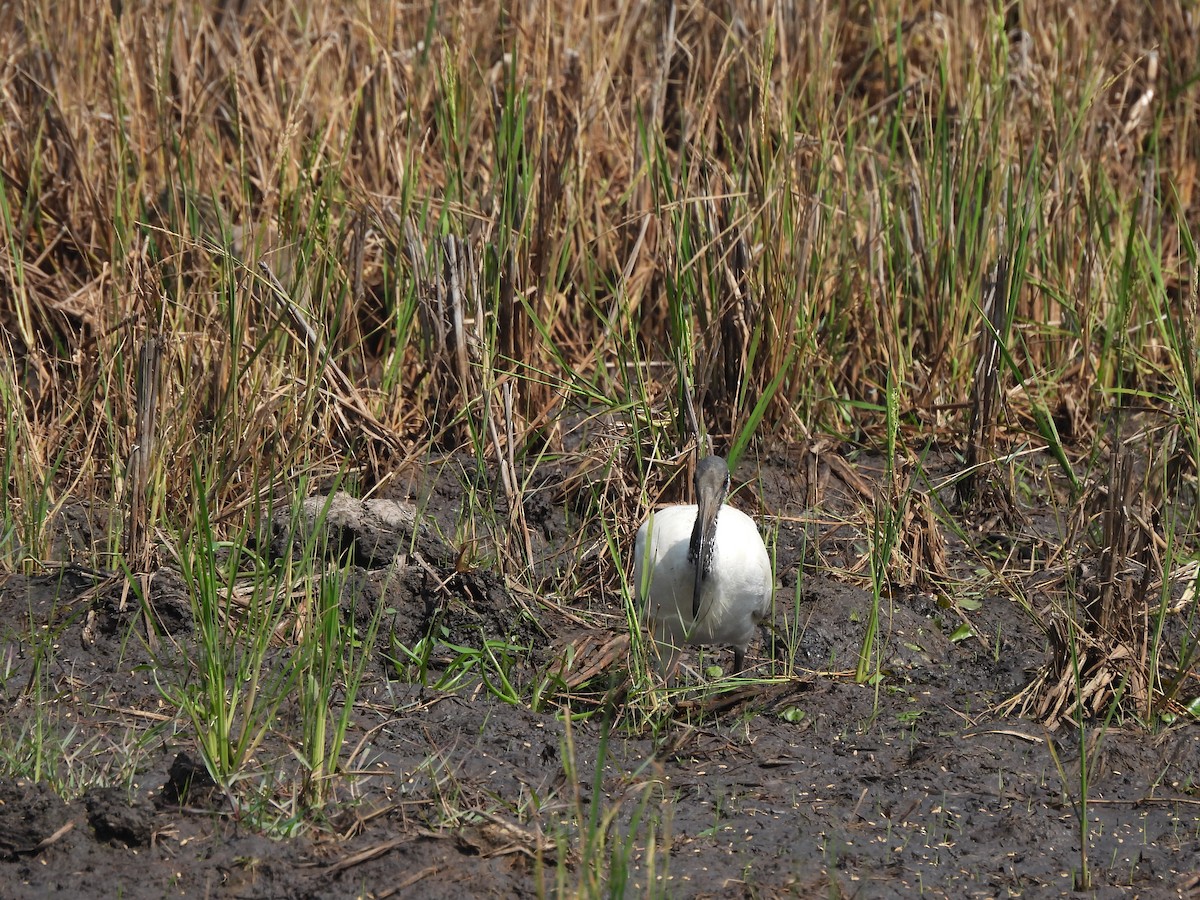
337,238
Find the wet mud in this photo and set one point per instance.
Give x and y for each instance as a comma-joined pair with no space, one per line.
911,784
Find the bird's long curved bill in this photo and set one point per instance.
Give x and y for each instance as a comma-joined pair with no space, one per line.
704,536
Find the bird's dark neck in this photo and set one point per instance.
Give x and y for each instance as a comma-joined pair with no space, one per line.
694,546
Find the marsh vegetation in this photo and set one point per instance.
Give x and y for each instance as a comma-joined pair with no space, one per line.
343,352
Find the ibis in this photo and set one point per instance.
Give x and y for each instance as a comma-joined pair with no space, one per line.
702,572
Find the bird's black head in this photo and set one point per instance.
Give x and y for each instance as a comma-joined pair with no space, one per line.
712,479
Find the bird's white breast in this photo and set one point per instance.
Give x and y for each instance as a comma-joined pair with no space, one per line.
736,595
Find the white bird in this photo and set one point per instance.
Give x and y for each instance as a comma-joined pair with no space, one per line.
703,571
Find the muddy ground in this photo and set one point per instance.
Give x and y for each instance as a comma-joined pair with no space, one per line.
809,786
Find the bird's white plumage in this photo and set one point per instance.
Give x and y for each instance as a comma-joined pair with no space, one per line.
735,596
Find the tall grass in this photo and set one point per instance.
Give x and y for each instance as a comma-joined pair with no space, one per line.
796,204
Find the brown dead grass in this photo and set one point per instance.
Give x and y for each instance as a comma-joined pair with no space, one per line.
794,200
